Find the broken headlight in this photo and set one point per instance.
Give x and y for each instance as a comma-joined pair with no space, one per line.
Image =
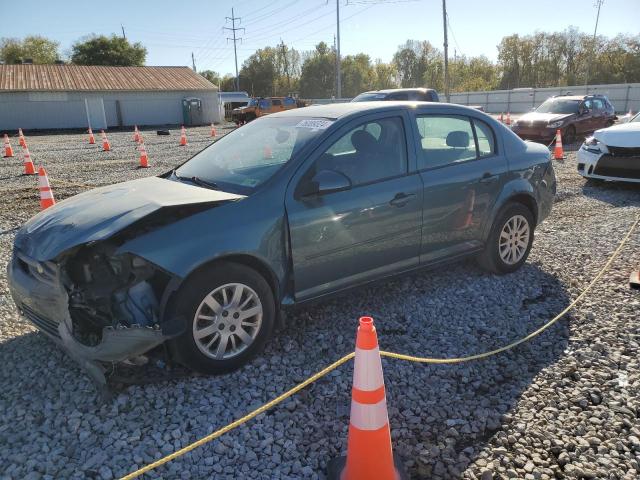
592,145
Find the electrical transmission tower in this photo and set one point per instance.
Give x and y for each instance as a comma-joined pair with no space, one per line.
233,29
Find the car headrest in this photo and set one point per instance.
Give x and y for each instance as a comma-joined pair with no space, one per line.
363,141
458,139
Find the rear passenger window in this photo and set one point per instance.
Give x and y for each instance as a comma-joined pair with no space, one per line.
445,140
486,139
398,96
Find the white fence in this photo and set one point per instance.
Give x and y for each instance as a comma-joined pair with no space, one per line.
623,96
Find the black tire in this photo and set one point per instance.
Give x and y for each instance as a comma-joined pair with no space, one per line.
490,258
188,299
569,135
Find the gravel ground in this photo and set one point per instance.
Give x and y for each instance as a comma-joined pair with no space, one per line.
564,405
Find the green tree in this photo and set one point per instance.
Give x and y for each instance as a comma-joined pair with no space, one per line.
357,75
385,75
213,77
259,73
39,49
103,50
317,79
228,83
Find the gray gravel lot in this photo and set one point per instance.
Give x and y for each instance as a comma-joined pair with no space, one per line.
565,405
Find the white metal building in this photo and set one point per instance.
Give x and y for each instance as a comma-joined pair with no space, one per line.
75,96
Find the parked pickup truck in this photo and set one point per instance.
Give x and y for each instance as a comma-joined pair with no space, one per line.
258,107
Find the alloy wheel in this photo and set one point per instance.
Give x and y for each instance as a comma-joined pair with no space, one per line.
514,239
227,321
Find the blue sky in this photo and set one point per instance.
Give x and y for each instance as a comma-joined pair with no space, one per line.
172,30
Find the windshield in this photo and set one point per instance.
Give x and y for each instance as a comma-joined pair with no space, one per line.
247,157
369,97
556,105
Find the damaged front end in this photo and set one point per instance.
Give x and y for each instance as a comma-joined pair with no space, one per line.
114,302
72,273
102,307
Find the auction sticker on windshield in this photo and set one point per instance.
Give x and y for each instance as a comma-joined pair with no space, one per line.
314,124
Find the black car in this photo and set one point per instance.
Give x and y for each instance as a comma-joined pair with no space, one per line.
413,94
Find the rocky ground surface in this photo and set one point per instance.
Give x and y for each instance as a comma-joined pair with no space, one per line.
564,405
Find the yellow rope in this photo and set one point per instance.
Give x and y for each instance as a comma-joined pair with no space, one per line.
240,421
398,356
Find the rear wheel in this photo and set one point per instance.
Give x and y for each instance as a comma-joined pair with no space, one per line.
569,135
229,314
509,241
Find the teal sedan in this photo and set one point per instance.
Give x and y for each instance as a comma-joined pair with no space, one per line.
290,208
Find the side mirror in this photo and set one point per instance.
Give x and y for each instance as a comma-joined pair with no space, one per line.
325,181
584,111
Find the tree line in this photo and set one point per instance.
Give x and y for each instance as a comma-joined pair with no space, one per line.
91,50
541,59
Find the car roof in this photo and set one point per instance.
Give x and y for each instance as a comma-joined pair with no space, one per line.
339,110
579,97
393,90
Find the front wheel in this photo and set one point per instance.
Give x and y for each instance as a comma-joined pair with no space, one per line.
509,241
229,314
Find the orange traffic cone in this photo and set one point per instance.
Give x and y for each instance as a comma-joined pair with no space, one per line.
29,167
105,142
558,153
8,151
183,137
634,279
46,194
92,139
21,139
213,131
369,452
144,159
508,121
136,134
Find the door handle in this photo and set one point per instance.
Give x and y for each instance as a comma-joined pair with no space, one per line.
488,177
401,199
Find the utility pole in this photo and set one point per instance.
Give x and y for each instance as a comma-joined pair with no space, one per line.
593,42
446,51
123,34
233,30
286,65
193,62
338,60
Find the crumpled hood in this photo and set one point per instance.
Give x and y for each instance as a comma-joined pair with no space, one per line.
543,117
102,212
622,135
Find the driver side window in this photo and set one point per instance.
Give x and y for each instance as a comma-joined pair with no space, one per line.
368,153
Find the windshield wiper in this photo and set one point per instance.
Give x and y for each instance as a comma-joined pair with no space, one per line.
198,181
204,183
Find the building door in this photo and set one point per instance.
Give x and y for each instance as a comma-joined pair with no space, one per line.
96,118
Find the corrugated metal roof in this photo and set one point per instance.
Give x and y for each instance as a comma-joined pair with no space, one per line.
28,78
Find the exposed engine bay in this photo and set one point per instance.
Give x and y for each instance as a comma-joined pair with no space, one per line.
106,290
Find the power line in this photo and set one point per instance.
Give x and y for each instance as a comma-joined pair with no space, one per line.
278,26
267,15
280,32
